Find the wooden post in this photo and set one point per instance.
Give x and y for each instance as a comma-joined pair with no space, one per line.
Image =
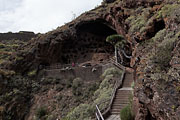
116,54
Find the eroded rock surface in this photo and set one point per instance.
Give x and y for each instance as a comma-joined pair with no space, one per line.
152,29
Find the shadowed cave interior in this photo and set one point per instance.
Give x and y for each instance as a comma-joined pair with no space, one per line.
90,43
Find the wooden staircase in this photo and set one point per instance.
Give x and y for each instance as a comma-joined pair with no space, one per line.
120,101
121,98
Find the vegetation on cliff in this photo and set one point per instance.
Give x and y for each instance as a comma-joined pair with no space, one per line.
101,97
152,27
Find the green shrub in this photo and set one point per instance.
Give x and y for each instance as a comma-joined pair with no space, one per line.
132,85
126,113
112,71
103,93
77,86
159,36
116,40
51,117
69,82
164,54
167,10
89,90
79,113
32,73
41,112
2,45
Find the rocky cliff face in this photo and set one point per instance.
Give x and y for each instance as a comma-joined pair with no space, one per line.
152,29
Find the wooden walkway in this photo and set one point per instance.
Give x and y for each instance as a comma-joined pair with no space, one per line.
121,98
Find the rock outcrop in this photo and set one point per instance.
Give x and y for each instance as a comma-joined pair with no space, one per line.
152,28
22,35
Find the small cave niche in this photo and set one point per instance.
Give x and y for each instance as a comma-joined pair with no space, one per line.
149,116
155,28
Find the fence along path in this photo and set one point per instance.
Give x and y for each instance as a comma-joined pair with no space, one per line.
120,96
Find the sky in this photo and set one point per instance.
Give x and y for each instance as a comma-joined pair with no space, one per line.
40,15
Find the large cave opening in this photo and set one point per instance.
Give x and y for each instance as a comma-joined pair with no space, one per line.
99,28
90,43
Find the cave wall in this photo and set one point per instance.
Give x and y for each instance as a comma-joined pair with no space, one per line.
89,39
84,47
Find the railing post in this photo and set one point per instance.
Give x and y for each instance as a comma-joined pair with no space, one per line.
101,117
97,117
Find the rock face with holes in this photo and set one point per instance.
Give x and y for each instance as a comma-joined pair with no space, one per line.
157,72
152,28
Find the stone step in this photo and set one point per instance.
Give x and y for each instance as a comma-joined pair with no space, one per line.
121,102
121,99
115,113
126,85
125,89
115,110
127,82
122,95
118,107
113,117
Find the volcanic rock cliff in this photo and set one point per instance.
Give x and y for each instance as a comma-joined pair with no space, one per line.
152,30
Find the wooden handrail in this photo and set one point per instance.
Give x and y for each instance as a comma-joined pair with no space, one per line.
117,85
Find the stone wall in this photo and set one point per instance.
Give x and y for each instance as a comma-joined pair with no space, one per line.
85,73
91,73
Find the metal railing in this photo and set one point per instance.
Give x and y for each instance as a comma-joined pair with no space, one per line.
99,114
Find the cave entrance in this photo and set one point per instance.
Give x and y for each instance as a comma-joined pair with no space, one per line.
90,43
98,28
156,27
